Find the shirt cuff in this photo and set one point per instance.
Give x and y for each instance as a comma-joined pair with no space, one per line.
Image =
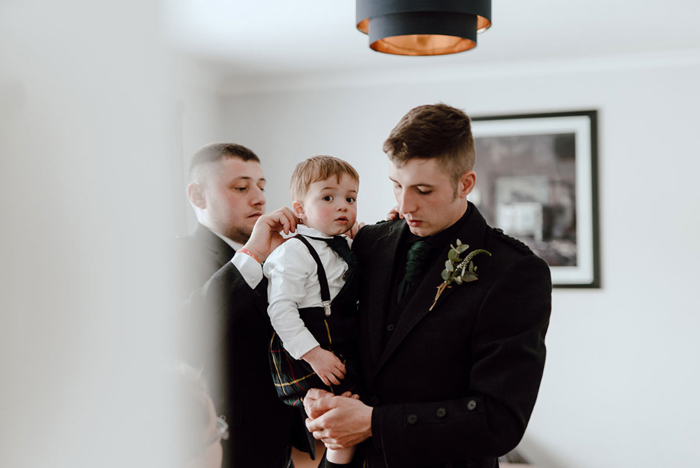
377,428
249,268
301,344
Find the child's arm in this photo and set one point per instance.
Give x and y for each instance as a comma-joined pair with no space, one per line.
288,268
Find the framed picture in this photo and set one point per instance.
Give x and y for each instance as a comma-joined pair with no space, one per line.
537,181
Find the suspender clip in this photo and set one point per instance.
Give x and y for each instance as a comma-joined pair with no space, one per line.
327,307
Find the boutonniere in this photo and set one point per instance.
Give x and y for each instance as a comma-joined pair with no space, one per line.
457,270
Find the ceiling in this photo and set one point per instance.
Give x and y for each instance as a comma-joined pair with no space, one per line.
279,37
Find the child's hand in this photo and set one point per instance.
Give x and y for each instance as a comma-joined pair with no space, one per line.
326,365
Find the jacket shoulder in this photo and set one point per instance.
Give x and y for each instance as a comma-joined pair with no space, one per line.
382,228
510,243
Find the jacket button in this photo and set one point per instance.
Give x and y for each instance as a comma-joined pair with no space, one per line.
390,327
374,401
471,405
412,419
441,412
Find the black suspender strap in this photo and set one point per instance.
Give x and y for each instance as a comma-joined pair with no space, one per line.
322,280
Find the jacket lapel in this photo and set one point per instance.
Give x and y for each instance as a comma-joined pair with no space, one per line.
221,251
472,233
380,288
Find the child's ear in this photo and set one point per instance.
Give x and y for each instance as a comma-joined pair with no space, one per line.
298,209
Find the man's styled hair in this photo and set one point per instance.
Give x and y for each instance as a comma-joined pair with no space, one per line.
217,152
435,131
318,168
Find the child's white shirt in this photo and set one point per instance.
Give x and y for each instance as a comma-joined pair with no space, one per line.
293,285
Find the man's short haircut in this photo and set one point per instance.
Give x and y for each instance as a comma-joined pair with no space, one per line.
217,152
435,131
318,168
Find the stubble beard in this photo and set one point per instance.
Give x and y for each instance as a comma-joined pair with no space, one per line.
240,234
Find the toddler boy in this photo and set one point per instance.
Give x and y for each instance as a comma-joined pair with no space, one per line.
313,284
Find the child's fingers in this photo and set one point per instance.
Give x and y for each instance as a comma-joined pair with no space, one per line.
333,379
325,380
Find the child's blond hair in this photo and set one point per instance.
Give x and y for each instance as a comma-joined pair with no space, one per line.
318,168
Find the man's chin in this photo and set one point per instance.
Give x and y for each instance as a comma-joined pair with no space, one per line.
241,235
419,231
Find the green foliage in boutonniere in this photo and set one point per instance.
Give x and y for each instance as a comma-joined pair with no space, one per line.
457,270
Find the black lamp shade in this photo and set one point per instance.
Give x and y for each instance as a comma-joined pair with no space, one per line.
423,27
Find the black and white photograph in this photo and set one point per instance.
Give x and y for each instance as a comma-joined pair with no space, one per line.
537,183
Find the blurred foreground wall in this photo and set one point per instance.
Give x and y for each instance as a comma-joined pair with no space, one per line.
84,209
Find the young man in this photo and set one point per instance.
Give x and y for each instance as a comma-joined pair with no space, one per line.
225,327
450,381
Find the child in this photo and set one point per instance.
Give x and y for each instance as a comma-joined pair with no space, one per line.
313,288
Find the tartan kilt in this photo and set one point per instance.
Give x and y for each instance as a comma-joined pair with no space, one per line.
293,378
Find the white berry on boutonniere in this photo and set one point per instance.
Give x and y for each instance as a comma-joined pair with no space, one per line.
457,270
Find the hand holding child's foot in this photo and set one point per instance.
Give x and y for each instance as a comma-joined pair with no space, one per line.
326,365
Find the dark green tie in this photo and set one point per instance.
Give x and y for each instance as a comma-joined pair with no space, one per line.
417,258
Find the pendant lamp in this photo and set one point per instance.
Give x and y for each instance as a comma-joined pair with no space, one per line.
422,27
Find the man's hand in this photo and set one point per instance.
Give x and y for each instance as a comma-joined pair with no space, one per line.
310,405
326,365
266,235
339,422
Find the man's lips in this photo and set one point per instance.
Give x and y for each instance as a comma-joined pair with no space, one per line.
414,222
257,214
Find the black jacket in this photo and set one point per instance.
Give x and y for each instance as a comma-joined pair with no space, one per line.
454,386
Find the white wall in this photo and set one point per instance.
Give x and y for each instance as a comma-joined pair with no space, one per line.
84,138
620,387
196,105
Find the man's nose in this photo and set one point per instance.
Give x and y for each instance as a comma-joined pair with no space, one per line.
258,196
405,201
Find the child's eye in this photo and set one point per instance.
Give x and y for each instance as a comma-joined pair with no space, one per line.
241,189
328,198
350,199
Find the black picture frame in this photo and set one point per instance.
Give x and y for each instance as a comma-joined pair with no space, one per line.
537,179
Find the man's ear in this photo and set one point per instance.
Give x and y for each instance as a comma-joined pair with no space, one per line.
298,209
466,184
196,195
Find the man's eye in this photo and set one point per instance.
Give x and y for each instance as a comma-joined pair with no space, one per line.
241,189
350,199
424,192
327,198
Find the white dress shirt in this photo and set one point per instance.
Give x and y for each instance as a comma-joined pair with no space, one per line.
294,285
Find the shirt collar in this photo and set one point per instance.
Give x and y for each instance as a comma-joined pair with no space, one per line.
309,231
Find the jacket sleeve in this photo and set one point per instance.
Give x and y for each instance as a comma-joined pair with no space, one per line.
210,312
507,360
